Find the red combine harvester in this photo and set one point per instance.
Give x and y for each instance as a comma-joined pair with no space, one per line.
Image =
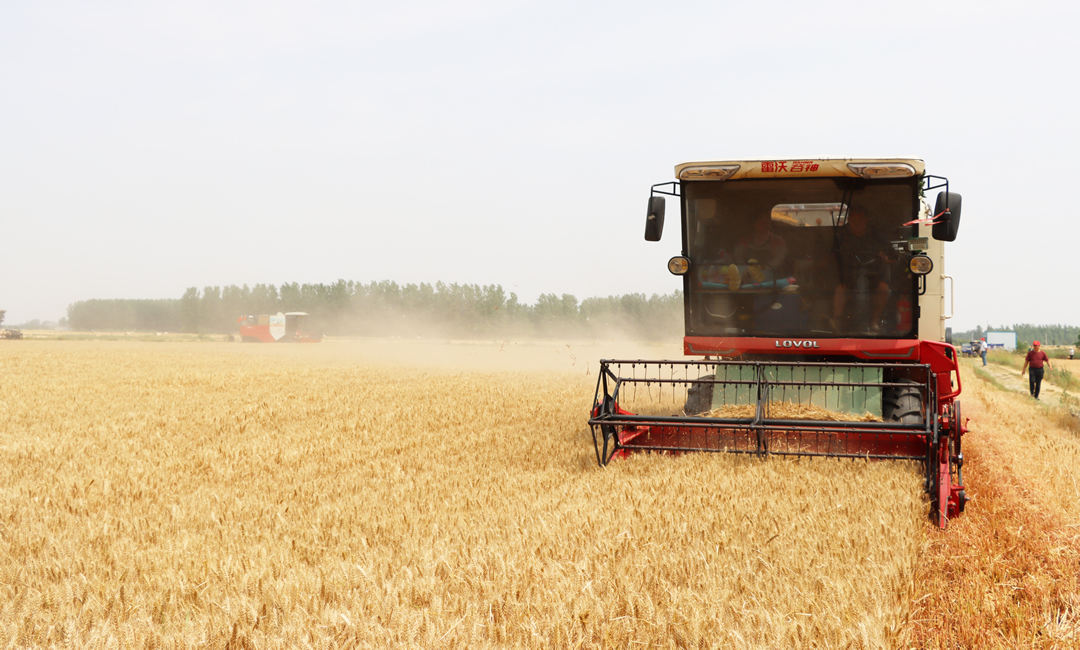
276,328
814,294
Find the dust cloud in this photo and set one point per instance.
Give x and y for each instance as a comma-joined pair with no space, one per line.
571,357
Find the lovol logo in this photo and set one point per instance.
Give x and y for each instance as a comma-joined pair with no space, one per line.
796,344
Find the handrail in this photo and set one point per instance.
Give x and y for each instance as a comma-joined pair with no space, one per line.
952,296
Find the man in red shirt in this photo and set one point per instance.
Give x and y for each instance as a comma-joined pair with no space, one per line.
1036,358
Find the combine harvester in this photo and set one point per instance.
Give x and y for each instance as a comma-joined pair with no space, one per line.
814,295
276,328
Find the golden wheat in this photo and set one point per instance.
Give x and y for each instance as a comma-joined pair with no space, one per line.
176,494
788,411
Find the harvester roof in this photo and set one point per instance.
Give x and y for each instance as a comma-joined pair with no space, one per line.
805,167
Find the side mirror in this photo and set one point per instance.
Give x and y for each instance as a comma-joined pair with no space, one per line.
946,229
654,221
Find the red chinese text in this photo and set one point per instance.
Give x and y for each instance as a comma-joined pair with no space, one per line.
796,166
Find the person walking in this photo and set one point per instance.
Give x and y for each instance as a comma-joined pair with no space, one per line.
982,350
1072,351
1036,358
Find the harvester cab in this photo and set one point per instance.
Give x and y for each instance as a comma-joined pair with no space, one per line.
815,300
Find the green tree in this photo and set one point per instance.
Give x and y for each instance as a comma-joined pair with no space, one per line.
189,311
264,300
210,310
291,297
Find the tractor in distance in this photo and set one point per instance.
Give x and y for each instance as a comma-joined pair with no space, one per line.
815,302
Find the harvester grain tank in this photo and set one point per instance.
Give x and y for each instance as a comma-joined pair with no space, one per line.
815,302
276,328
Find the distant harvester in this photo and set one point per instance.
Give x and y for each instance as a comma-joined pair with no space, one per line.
276,328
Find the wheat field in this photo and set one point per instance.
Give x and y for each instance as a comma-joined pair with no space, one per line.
407,494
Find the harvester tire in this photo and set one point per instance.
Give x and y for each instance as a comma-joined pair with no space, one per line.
699,397
902,404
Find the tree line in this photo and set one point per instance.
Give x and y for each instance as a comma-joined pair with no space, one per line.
1025,332
386,308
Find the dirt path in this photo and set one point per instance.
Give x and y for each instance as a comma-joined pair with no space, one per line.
1011,379
1006,574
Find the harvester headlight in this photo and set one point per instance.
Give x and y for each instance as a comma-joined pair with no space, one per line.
921,265
882,170
678,265
708,172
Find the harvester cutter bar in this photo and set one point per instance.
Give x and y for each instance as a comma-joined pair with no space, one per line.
815,425
695,387
852,456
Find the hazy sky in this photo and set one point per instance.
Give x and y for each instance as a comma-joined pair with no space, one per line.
150,147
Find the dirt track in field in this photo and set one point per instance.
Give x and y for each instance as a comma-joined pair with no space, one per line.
1005,574
1011,379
